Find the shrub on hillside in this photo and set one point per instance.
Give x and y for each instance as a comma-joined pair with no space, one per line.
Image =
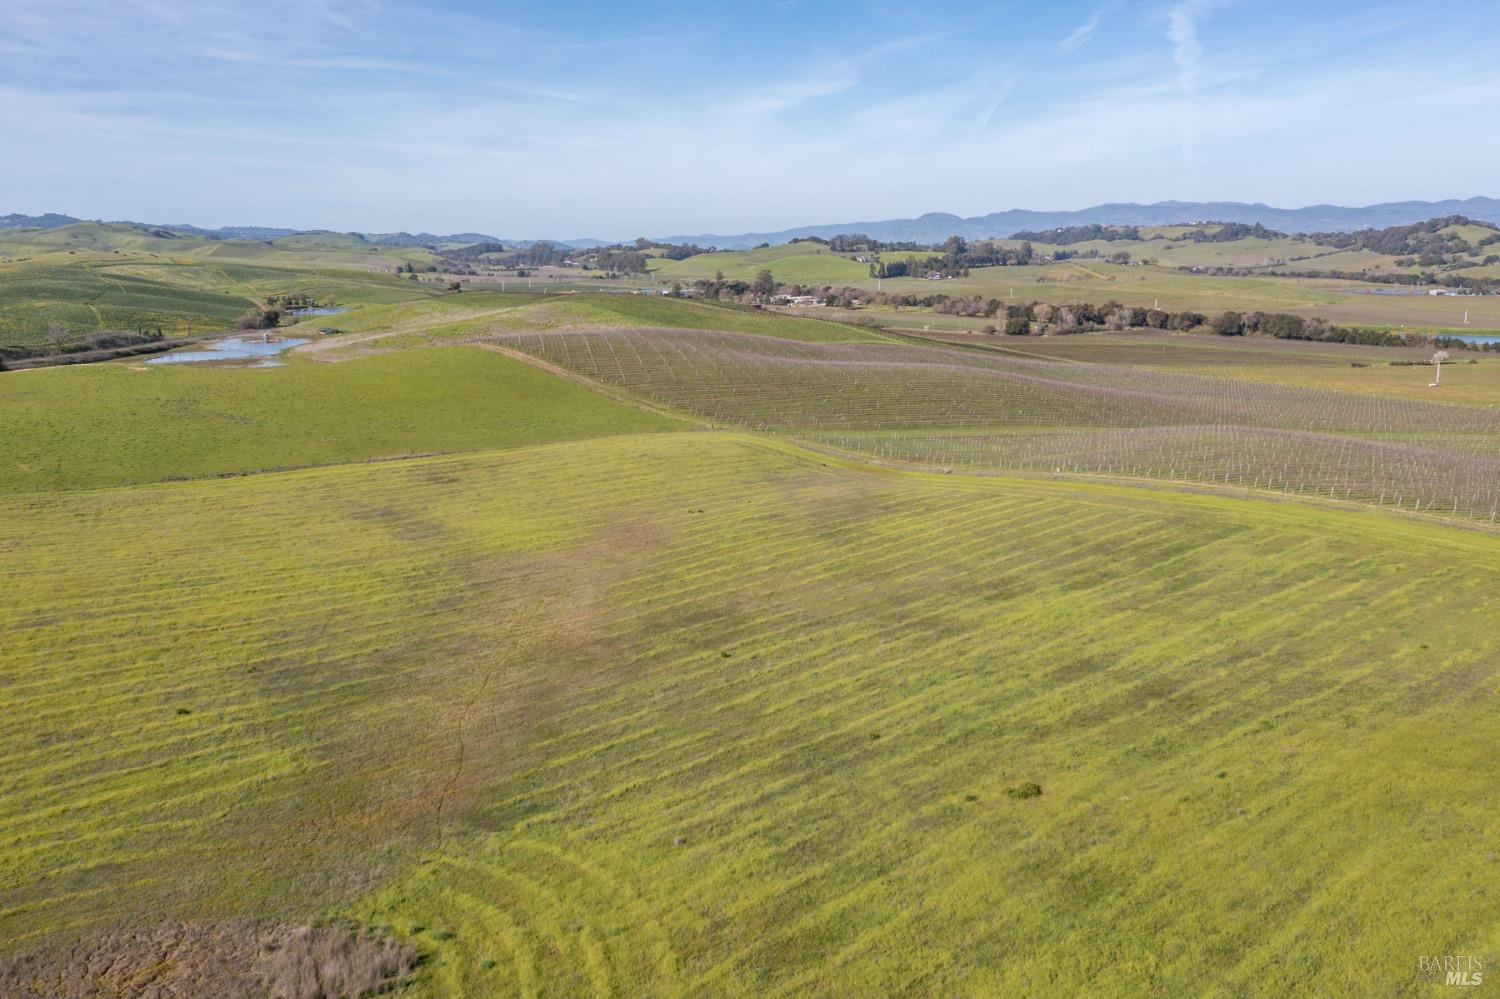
260,319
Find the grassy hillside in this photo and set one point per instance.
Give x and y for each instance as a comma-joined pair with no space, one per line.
96,276
808,263
86,299
89,292
485,315
110,424
688,714
312,249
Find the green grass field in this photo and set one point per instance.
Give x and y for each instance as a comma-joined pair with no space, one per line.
696,714
112,424
806,263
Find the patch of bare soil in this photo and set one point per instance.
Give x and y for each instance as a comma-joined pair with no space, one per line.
235,959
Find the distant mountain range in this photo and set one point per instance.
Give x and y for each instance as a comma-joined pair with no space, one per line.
935,226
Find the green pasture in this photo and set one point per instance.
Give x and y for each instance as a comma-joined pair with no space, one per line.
89,292
803,263
110,424
684,714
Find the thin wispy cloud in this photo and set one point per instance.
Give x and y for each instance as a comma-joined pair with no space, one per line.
792,93
1187,49
1086,30
997,96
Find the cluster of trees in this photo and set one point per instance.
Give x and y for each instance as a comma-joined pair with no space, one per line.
538,255
1069,235
1225,232
1283,326
680,251
722,289
267,318
858,242
1476,285
956,257
472,253
292,300
1423,242
1229,232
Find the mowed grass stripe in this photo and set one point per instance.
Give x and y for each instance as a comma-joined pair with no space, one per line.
1118,646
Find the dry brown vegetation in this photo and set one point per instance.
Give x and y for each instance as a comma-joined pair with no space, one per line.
231,959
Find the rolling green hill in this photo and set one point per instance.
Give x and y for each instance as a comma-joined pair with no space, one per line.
806,263
89,292
111,424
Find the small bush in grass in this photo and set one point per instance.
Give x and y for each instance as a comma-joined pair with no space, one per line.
1024,791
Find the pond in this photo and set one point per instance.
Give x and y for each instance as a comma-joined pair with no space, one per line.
321,310
1472,337
232,350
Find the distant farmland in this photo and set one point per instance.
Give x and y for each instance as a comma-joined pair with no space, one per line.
1190,427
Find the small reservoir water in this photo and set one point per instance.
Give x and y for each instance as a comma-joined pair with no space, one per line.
232,350
1472,337
321,310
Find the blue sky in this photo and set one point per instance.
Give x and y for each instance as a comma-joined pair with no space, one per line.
622,119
